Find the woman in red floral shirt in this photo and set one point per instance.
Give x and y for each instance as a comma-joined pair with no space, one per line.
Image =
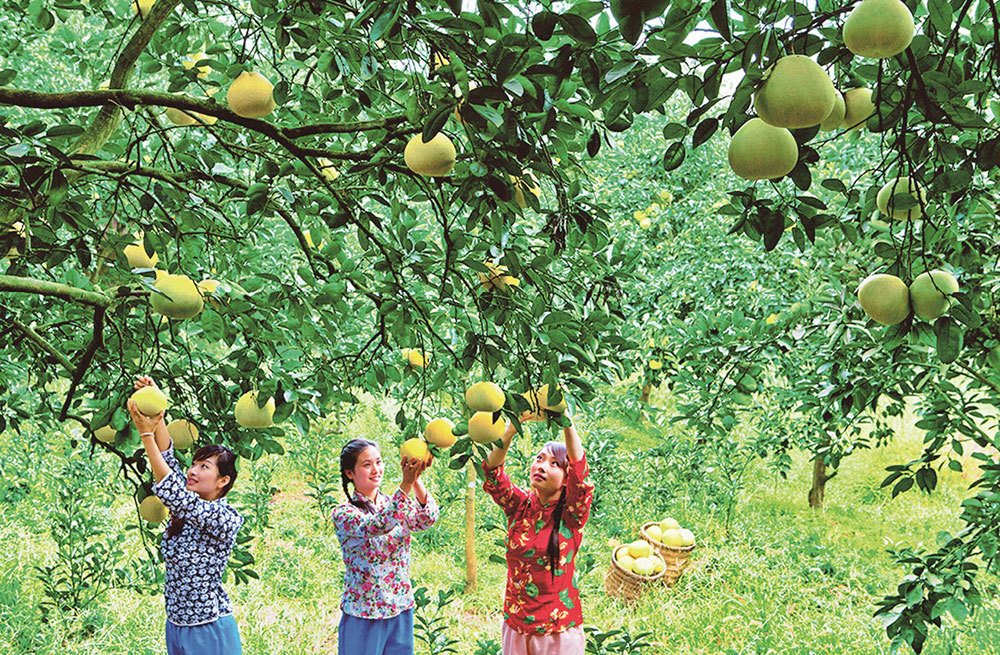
542,614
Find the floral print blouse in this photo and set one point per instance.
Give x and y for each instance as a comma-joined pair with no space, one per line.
376,549
196,558
537,602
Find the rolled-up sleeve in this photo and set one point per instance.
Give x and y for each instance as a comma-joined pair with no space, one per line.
504,493
420,517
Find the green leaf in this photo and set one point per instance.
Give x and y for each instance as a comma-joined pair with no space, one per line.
436,121
949,339
674,156
718,16
543,24
579,29
704,131
940,14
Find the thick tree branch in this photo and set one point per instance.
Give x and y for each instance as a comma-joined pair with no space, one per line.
42,343
344,128
96,342
43,288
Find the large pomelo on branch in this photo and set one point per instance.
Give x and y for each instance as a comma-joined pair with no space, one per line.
485,397
105,434
416,448
901,198
178,297
483,429
539,400
929,294
836,115
250,415
150,400
433,159
251,95
138,257
183,433
797,93
438,433
884,298
878,29
858,107
152,509
760,151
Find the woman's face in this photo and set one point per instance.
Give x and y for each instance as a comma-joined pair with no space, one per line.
546,475
367,473
203,478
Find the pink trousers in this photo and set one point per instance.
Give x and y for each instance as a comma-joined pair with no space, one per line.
570,642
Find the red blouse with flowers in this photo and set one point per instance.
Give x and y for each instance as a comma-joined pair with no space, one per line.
536,601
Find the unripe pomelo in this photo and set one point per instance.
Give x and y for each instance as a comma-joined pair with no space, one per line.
658,564
897,187
180,117
150,400
438,432
178,297
929,294
687,537
858,107
836,115
884,298
643,566
669,524
640,548
797,93
152,509
249,415
672,537
760,151
654,532
497,280
878,29
483,429
416,448
106,434
626,561
251,95
138,257
484,397
183,433
434,158
542,397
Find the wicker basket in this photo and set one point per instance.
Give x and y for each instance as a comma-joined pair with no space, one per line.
675,557
626,585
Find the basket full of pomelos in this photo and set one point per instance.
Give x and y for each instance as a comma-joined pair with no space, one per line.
673,543
633,566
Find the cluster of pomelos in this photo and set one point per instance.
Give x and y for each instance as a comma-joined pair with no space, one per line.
639,557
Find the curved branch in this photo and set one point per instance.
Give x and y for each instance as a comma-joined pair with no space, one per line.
43,288
42,343
344,128
96,342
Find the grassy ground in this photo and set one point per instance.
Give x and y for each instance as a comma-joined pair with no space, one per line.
784,579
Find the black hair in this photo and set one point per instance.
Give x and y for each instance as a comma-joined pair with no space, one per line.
558,451
348,459
225,462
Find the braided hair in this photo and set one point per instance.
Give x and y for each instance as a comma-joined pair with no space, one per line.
348,459
225,462
558,451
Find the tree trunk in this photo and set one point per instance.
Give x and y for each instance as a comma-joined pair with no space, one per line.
646,390
818,483
470,528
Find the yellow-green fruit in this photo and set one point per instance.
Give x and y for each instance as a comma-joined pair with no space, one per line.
327,169
878,29
897,187
797,93
250,96
484,397
434,158
150,400
483,429
152,509
543,400
687,537
138,257
191,60
929,294
497,280
836,115
859,107
528,182
438,432
760,151
249,415
183,433
626,561
105,435
415,358
208,286
180,117
416,448
640,548
643,566
141,7
669,524
884,298
658,564
672,537
654,532
178,297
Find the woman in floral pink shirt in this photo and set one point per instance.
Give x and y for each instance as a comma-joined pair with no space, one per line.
542,613
374,532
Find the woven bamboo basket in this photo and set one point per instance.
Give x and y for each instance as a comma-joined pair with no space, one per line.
626,585
675,557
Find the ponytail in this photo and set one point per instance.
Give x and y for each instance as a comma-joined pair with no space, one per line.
348,458
553,548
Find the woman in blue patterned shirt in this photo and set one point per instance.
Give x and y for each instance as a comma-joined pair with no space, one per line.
198,542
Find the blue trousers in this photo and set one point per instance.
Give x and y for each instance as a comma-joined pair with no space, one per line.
220,637
393,636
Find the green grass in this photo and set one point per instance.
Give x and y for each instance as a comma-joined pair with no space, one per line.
784,579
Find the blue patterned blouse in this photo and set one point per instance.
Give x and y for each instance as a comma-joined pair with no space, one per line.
195,558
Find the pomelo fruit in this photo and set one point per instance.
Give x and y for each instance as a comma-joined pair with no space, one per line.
152,509
673,537
178,297
105,434
183,433
484,397
640,548
433,159
878,29
929,294
150,400
836,115
759,151
251,95
859,107
438,432
901,186
250,415
797,93
416,448
884,298
483,429
138,257
497,280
